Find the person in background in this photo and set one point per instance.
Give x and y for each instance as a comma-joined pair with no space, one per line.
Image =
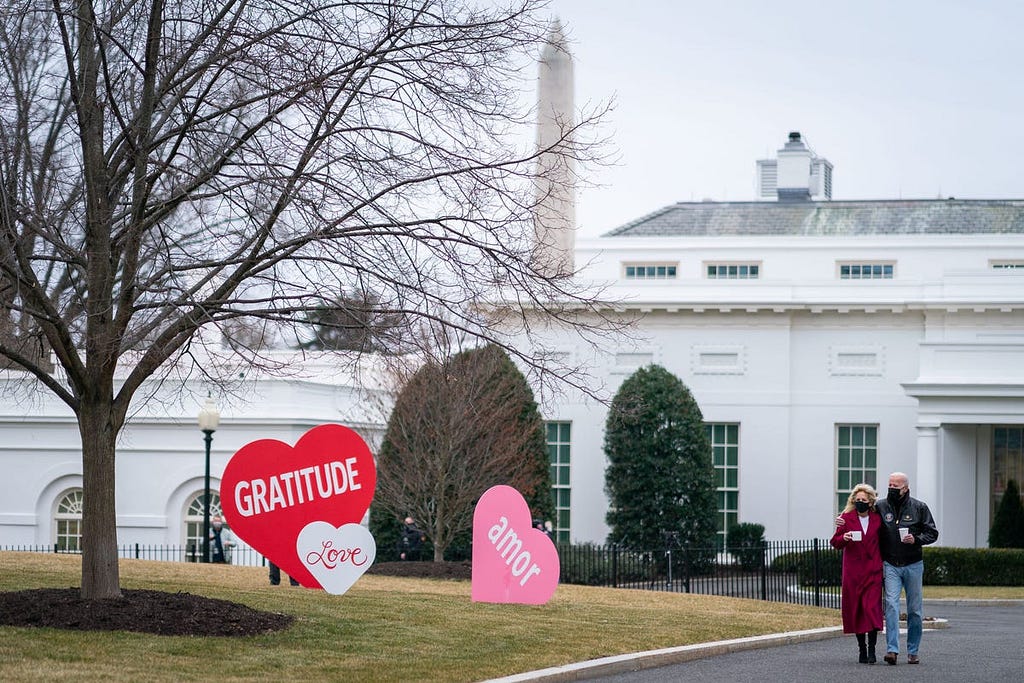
411,542
275,575
862,569
221,541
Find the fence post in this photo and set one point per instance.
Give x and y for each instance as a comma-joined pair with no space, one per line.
615,565
817,575
764,569
686,568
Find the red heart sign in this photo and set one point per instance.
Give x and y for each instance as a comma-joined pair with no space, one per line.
270,491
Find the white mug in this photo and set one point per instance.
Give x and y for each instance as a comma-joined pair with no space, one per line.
903,532
855,535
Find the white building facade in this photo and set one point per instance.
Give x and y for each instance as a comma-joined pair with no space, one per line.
827,343
160,469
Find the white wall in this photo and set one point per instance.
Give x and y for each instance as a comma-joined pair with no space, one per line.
161,452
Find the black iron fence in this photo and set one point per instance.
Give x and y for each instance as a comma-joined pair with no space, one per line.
161,553
801,572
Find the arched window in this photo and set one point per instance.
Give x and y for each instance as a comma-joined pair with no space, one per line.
194,523
67,522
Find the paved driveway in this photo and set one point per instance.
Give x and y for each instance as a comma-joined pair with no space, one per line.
982,643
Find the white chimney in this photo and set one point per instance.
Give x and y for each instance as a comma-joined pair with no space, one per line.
796,175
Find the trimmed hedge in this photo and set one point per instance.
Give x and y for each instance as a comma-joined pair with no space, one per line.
973,566
746,544
942,566
589,564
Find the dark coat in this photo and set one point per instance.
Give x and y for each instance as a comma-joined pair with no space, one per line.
862,574
909,513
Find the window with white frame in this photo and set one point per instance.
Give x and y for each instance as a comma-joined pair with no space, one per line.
650,271
725,454
559,454
67,522
856,459
875,270
194,523
732,271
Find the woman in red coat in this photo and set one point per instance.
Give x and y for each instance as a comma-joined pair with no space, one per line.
862,569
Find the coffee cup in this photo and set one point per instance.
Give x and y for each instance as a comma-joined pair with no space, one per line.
855,535
904,532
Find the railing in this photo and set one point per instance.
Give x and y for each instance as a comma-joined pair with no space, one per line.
161,553
800,572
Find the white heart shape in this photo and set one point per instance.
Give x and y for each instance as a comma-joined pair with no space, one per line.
336,557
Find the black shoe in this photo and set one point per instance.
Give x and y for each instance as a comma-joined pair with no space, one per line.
871,655
863,659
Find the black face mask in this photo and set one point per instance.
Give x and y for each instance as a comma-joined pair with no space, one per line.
862,506
895,494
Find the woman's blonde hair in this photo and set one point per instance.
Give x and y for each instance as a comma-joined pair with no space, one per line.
868,490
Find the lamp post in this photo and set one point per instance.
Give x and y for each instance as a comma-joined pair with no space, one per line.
209,419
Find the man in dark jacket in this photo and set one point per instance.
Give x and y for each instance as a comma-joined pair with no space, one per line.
907,525
411,541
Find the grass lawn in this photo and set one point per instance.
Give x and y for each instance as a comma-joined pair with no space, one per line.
383,629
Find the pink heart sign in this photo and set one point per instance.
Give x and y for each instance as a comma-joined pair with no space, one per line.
512,561
336,557
271,491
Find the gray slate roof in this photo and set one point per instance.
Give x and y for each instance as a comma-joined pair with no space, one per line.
882,217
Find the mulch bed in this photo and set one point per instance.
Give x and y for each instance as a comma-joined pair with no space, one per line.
143,611
174,614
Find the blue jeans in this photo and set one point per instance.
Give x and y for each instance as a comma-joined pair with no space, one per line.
907,579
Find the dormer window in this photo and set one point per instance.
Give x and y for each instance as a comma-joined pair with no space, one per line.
733,271
1007,265
873,270
650,271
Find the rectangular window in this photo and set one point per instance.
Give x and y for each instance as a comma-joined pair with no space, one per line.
1007,462
650,271
732,271
866,271
69,535
856,458
725,453
559,451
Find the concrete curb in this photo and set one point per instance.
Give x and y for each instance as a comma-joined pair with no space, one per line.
973,602
637,661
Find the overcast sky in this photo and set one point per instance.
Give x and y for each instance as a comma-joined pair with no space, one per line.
906,98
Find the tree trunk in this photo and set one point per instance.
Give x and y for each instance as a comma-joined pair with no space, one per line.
99,429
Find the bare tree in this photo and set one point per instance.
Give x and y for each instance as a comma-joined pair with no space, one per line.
457,428
354,322
169,167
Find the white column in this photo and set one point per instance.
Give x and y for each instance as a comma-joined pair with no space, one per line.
926,487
